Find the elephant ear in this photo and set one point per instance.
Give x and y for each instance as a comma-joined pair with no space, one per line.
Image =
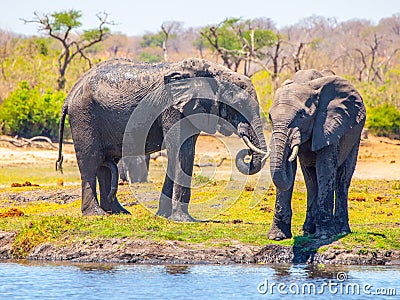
340,108
195,95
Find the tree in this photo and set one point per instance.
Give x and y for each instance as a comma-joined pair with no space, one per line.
276,58
223,40
169,30
116,44
237,41
200,45
154,40
5,40
28,112
60,26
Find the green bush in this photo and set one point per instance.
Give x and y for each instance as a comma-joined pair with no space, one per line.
149,57
384,120
27,112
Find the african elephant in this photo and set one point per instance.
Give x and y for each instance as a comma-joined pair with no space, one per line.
100,106
136,169
320,119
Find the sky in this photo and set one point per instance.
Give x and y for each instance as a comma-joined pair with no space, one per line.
134,17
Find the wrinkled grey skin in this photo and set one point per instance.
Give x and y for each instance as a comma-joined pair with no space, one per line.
324,116
102,101
136,169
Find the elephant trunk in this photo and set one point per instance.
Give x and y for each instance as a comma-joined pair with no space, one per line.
280,166
254,139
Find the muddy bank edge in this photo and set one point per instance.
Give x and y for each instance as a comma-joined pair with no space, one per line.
125,250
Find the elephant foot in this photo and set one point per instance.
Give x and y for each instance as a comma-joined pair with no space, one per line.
113,207
309,228
163,213
94,211
117,208
182,217
280,232
165,207
342,228
180,212
324,232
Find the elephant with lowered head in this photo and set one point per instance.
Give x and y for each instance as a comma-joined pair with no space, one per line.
172,103
319,118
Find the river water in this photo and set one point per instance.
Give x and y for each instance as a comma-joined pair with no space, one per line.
30,280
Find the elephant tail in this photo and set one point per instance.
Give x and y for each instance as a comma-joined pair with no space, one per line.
60,159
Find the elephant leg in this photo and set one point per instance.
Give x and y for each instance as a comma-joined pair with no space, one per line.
326,166
165,204
310,177
90,206
88,165
144,168
108,198
169,118
282,223
182,181
343,179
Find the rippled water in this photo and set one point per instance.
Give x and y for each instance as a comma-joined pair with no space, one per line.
27,280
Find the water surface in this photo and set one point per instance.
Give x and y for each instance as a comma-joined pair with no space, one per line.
27,280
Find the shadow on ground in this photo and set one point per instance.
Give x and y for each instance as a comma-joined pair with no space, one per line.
305,247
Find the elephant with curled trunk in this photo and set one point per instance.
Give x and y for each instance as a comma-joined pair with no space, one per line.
319,118
167,106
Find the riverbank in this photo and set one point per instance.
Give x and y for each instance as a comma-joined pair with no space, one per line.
127,250
44,222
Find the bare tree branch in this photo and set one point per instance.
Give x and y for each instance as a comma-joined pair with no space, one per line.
53,25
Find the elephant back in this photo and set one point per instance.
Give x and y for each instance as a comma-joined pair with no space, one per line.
120,81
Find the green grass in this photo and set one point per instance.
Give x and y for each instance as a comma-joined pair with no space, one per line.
38,174
374,209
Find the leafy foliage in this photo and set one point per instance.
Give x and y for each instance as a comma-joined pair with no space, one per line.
149,57
27,112
247,46
60,26
152,40
236,40
65,20
384,120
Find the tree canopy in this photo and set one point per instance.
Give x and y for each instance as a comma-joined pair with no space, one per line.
365,53
60,26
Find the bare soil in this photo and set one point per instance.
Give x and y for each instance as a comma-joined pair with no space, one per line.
379,157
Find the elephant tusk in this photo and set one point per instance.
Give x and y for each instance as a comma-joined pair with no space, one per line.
293,156
254,148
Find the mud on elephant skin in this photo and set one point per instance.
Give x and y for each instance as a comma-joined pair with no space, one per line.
319,118
183,98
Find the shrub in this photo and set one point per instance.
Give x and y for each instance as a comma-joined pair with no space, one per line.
27,112
384,120
149,57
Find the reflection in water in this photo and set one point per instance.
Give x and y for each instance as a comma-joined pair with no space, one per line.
34,280
88,267
177,269
307,271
